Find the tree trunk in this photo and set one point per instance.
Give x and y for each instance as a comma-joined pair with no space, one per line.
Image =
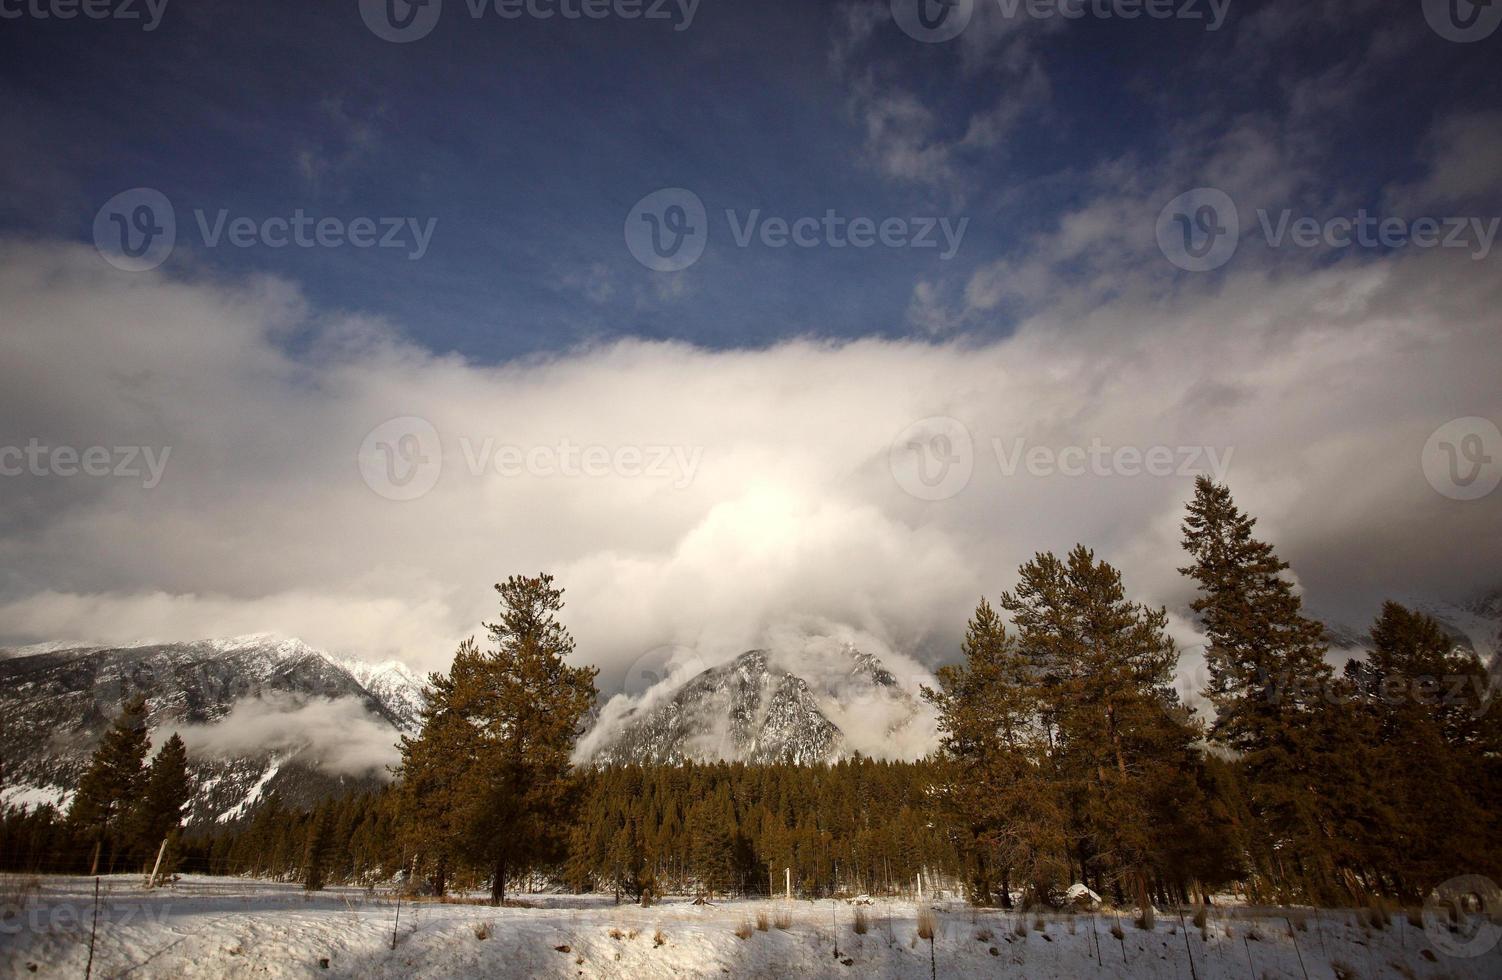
94,864
498,884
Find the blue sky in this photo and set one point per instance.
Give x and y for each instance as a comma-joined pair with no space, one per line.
530,140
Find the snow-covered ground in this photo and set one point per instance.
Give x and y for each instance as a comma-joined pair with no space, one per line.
227,927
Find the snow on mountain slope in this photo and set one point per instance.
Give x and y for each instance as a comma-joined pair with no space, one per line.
761,708
260,713
1475,624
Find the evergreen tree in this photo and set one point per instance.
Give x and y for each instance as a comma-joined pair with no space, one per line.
1120,740
1421,703
317,848
1270,686
438,768
112,781
995,756
493,759
164,800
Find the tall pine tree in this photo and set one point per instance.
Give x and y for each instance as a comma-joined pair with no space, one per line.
166,791
1270,686
1120,742
494,753
994,763
112,781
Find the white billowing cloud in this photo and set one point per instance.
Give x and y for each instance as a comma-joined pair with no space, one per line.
1318,386
337,735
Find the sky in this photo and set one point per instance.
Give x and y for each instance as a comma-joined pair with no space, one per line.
754,323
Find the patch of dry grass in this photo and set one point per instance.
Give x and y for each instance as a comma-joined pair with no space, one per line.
927,925
862,924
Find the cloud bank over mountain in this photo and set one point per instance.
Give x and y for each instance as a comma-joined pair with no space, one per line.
1322,385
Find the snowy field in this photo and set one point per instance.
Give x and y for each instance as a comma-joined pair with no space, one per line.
228,927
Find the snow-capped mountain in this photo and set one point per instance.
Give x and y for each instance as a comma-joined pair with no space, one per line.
260,714
1474,625
762,708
